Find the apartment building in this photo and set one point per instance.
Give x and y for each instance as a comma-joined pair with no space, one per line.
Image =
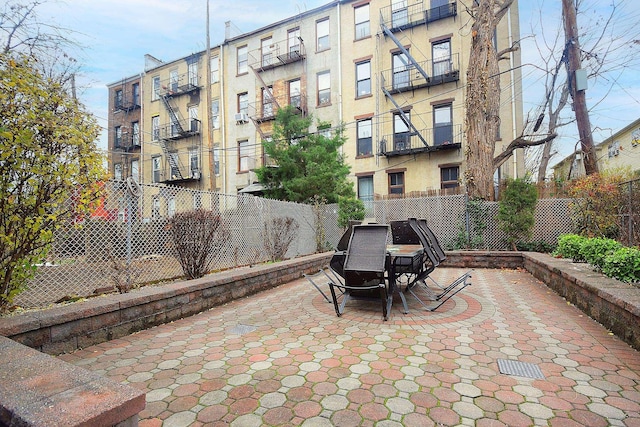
124,124
392,71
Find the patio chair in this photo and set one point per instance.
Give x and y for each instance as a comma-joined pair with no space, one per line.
432,260
334,271
364,268
403,234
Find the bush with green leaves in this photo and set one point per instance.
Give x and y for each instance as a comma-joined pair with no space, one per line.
623,264
349,209
471,226
596,249
516,211
536,246
569,246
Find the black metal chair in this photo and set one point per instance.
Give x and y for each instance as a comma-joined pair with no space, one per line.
335,270
432,260
364,269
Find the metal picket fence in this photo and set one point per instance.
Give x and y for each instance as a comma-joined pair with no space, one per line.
131,229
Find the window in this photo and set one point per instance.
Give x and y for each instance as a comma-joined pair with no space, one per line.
266,48
401,133
135,90
155,169
294,94
442,124
117,171
401,70
171,207
364,138
155,90
363,79
399,13
135,170
439,9
155,207
215,113
243,156
324,88
242,60
322,35
365,193
192,71
117,137
174,161
361,16
449,177
135,136
396,183
216,161
155,128
215,75
194,164
243,102
325,130
267,102
293,42
193,119
173,81
441,52
118,100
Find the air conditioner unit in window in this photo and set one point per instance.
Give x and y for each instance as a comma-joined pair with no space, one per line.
195,175
242,117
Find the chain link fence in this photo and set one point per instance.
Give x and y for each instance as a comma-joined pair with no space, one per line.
130,229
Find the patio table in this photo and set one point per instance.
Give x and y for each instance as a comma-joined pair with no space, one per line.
403,259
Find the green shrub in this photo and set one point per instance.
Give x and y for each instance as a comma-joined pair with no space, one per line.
595,250
516,211
623,264
569,246
350,209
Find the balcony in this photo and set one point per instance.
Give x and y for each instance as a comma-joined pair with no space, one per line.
439,138
277,55
127,143
399,19
126,103
180,85
265,111
177,175
409,78
180,129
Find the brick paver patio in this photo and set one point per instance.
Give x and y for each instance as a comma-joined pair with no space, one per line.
282,357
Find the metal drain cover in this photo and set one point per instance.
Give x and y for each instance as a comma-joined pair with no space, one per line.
241,329
520,369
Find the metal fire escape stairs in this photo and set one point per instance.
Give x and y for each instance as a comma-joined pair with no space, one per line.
274,102
174,162
387,32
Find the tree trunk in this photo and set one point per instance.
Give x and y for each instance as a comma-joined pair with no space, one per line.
482,103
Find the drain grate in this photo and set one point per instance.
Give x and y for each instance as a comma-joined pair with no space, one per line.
241,329
520,369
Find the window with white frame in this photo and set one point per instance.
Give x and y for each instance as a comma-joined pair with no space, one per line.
174,161
215,113
294,93
266,49
135,91
441,52
401,70
155,89
135,170
243,156
174,79
267,102
171,206
364,137
155,168
193,119
117,171
192,72
443,124
363,78
117,137
243,103
216,161
243,58
324,88
322,35
365,189
215,69
194,163
361,18
293,41
155,128
135,133
399,13
401,133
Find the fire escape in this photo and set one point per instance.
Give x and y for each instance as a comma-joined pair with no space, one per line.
408,74
178,128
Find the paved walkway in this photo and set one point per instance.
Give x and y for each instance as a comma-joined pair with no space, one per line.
282,357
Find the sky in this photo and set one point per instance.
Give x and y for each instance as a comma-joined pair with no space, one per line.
116,34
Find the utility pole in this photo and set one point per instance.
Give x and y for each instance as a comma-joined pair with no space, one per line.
572,50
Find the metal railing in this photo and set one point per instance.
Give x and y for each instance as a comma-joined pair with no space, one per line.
444,137
409,78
